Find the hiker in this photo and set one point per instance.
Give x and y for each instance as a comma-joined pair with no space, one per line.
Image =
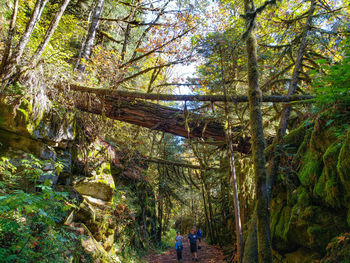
192,239
178,246
199,235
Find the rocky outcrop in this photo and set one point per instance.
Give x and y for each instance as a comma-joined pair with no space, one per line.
92,173
310,202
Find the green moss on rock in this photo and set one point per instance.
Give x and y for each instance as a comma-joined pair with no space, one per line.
302,255
99,190
328,186
295,137
310,170
322,135
343,167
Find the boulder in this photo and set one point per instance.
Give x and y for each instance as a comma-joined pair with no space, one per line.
96,189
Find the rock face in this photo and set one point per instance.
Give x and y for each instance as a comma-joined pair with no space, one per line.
90,173
98,190
310,202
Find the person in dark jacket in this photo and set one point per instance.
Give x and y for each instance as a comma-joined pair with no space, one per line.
199,235
192,240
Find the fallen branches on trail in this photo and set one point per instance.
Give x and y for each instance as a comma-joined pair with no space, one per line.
171,97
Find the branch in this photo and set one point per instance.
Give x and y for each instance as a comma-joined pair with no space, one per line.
172,163
149,69
171,97
154,50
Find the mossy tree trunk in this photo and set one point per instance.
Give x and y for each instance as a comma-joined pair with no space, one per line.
258,141
251,255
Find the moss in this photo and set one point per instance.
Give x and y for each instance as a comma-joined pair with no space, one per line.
328,186
302,255
282,227
310,170
295,137
322,135
343,166
319,189
348,217
319,236
303,195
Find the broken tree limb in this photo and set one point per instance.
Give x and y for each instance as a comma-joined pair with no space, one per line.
171,97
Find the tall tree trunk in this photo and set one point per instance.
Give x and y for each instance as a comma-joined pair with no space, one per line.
10,35
211,216
160,202
127,34
250,249
49,32
90,38
209,230
160,219
9,70
258,142
233,179
233,175
249,254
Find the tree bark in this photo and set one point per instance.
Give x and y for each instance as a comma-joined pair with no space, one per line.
13,63
258,141
250,255
160,205
49,32
209,230
171,97
90,38
233,179
158,117
10,36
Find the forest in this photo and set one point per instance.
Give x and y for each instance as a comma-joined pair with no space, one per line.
124,122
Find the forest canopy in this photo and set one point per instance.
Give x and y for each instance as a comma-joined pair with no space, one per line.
124,121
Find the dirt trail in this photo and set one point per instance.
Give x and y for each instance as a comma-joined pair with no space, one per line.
207,254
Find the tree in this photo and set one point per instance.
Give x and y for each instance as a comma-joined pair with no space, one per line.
86,47
258,138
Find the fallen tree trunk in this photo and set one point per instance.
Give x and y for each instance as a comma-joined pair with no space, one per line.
159,117
172,163
171,97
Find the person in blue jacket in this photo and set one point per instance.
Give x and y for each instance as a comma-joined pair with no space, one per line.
192,239
178,245
199,235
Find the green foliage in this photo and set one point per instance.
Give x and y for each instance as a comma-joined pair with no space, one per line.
30,223
14,89
168,238
333,87
338,250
